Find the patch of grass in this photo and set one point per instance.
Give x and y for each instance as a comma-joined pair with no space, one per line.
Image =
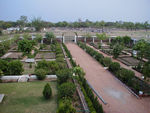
27,98
28,69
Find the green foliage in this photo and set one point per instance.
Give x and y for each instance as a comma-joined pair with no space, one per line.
65,106
4,66
141,46
117,50
41,74
15,67
78,71
114,67
146,70
102,36
66,90
126,40
1,73
38,37
63,75
37,23
25,45
106,61
47,92
50,36
126,76
27,36
50,67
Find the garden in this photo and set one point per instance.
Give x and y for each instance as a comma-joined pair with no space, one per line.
27,98
126,76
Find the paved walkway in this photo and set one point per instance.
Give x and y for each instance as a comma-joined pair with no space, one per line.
119,99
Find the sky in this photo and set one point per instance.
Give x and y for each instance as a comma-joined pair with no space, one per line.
72,10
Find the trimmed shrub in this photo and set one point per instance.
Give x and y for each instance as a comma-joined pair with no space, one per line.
114,67
63,75
65,106
47,92
40,73
106,61
66,90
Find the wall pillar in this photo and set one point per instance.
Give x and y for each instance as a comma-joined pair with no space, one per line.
93,40
75,39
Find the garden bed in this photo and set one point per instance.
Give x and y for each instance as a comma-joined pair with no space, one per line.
45,55
27,98
28,68
129,61
13,55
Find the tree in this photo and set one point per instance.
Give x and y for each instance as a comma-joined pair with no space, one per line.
22,21
50,36
41,74
15,67
47,92
126,40
37,23
66,90
146,25
38,37
140,46
146,69
1,73
102,36
25,45
63,75
117,50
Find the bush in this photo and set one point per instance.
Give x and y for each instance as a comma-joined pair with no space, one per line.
15,67
126,76
47,92
106,61
40,73
114,67
65,106
66,90
63,75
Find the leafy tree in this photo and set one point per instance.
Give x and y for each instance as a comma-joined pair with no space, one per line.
66,90
27,36
22,21
65,106
63,75
126,40
15,67
25,45
50,36
140,46
37,23
41,74
47,92
38,37
102,36
146,25
117,50
146,70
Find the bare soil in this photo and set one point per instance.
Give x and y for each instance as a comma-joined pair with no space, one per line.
119,99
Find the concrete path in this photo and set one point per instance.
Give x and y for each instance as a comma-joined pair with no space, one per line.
119,99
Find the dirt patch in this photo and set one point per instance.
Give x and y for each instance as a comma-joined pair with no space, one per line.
45,55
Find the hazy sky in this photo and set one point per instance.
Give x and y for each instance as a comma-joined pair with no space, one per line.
72,10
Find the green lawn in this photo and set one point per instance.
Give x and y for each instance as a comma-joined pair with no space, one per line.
27,98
